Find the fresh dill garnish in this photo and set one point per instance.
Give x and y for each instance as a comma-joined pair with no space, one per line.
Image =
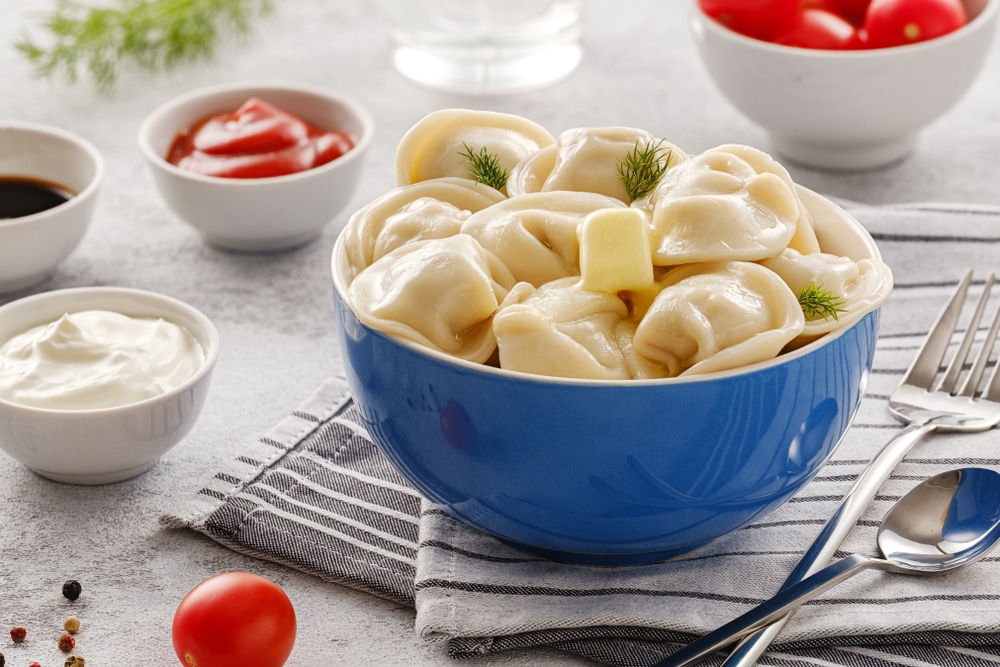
819,303
154,34
485,167
642,168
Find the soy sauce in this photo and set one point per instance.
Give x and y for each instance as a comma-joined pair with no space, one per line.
21,196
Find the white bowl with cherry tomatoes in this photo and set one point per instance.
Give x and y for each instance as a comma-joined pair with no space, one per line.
844,84
258,166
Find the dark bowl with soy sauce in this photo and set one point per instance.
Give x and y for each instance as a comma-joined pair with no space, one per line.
49,179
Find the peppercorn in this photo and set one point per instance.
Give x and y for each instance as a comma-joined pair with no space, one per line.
33,664
72,661
3,660
18,634
70,625
66,642
71,589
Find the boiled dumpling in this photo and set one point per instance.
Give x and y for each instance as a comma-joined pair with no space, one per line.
857,287
433,147
586,160
440,293
536,235
562,330
716,316
804,240
729,203
430,209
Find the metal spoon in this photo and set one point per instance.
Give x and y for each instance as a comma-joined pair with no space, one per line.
947,521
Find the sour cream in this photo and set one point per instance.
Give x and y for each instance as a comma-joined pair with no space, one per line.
96,359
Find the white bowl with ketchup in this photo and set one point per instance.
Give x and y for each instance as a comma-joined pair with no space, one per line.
49,179
257,166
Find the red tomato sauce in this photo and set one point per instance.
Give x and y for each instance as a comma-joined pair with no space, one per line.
258,140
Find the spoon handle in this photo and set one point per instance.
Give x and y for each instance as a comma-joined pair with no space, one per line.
833,534
775,608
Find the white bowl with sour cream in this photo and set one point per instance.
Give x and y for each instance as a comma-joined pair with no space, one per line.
96,383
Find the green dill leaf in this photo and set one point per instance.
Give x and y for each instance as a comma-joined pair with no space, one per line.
642,168
818,303
485,167
152,34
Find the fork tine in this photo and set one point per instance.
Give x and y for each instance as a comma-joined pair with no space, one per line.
925,367
950,381
992,391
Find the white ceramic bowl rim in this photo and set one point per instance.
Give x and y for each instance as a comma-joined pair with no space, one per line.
77,198
211,351
355,108
340,256
990,7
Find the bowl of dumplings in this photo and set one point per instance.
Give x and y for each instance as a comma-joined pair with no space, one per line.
596,347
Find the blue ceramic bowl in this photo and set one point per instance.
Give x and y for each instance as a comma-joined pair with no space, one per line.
611,473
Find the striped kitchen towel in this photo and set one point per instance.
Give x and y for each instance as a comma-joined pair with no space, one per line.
315,493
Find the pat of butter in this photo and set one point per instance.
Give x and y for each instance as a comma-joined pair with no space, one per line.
614,251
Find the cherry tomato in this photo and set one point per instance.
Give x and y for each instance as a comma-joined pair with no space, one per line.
899,22
236,618
817,29
754,18
853,10
832,6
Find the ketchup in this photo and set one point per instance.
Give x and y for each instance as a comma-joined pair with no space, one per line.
258,140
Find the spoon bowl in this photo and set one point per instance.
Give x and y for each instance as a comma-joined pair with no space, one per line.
945,522
948,521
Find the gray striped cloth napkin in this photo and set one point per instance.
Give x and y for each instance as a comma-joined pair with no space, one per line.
316,494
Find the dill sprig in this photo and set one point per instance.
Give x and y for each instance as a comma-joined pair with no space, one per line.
485,167
154,34
819,303
642,168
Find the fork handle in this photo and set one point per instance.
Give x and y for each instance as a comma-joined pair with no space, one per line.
836,529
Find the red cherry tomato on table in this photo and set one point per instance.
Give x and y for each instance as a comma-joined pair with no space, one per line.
754,18
817,29
900,22
236,618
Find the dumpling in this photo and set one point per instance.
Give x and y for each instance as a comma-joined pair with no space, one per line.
804,240
537,235
430,209
562,330
857,287
440,293
730,203
586,160
433,147
716,316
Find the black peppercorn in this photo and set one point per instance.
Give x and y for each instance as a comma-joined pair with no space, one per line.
3,660
72,589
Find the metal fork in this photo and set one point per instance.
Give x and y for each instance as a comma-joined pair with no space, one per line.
925,404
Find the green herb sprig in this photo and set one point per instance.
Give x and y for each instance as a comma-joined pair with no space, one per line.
485,167
154,34
818,303
642,168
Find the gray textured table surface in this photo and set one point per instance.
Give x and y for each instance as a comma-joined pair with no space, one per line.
274,313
